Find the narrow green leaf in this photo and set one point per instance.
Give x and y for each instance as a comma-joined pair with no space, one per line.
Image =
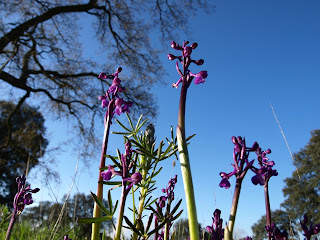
188,138
110,202
137,129
94,220
111,182
137,125
146,153
156,173
160,149
131,225
121,133
124,127
147,206
115,208
177,216
176,207
115,162
104,235
155,212
130,122
149,222
119,154
99,203
158,227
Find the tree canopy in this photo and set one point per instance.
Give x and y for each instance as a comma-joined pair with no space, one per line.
43,40
302,190
23,150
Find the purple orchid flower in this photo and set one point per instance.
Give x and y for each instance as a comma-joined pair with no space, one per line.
241,163
311,230
215,230
185,60
22,198
111,100
135,178
265,172
275,233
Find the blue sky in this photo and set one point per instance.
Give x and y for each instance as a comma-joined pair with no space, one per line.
256,53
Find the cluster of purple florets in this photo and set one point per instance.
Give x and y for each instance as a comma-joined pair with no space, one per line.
127,165
23,196
185,60
216,232
169,190
111,100
242,164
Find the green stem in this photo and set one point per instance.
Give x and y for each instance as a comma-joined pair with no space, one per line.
185,166
95,235
228,231
166,232
143,190
121,211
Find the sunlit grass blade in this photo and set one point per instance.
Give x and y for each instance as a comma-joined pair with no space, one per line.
99,203
94,220
111,183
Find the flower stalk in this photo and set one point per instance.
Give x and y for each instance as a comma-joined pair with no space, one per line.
123,198
186,78
116,105
96,210
228,231
185,166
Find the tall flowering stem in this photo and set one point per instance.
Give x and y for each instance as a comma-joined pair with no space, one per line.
262,177
117,105
186,78
241,166
127,170
22,198
148,140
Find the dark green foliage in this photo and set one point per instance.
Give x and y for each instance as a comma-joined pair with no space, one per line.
282,221
45,215
25,147
181,230
302,190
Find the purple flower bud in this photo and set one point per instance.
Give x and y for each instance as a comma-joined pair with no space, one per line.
35,190
254,146
175,46
106,175
194,45
162,201
268,151
103,76
119,69
172,57
209,229
200,62
136,177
